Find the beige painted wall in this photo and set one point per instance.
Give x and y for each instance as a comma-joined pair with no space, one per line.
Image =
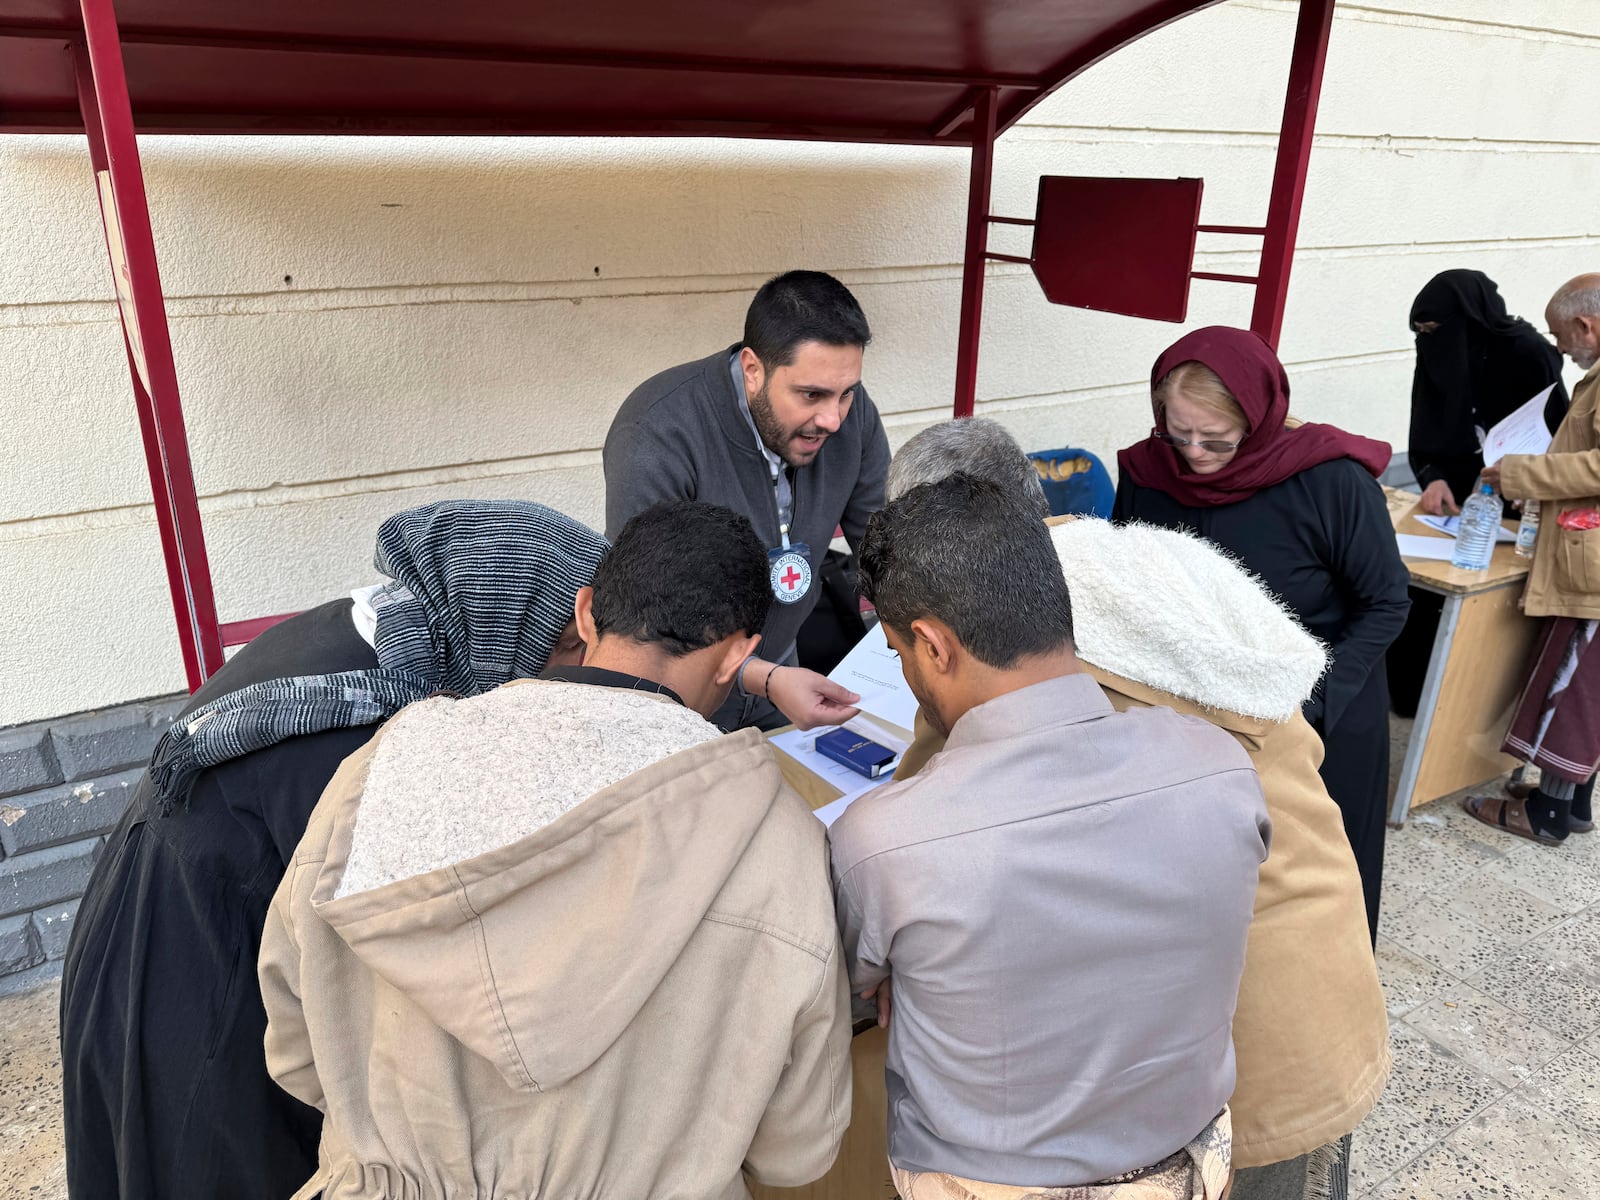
462,317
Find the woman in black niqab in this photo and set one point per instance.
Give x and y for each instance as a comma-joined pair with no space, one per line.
1476,364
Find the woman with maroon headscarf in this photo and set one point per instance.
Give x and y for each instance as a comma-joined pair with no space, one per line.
1301,507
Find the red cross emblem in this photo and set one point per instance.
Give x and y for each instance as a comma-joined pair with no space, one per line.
790,577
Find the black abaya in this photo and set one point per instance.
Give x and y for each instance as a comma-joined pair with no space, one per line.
1323,543
166,1087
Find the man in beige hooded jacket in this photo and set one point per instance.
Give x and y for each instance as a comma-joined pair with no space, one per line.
565,939
1163,618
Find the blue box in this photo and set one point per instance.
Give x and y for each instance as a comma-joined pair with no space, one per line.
862,755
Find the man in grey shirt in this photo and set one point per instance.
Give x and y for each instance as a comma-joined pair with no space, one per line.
1060,897
779,428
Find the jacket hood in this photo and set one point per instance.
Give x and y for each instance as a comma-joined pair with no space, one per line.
527,865
1172,612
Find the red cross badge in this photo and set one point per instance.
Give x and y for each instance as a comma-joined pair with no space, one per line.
791,577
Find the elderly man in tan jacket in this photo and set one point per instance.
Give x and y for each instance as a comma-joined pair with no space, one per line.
1557,722
1163,618
565,938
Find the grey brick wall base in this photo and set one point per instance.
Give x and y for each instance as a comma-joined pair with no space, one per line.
63,785
26,981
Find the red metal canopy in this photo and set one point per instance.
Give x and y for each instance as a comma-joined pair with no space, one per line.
838,70
928,72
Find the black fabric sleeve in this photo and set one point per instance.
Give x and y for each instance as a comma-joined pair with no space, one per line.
1424,468
1366,565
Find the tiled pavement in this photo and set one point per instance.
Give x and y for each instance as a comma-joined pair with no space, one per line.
1490,956
1489,949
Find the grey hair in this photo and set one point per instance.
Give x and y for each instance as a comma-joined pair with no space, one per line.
1576,298
977,446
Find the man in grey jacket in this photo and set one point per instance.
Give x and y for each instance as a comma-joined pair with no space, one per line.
1060,897
779,428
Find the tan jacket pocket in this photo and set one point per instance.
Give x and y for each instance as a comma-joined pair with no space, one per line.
1578,561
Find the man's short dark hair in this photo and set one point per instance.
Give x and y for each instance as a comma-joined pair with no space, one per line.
683,575
975,556
802,306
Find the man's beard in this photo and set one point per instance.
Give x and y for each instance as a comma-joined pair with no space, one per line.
773,435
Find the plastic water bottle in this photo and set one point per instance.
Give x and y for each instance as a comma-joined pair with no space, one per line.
1480,517
1528,531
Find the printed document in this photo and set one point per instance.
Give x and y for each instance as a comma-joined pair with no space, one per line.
1523,432
872,671
1451,525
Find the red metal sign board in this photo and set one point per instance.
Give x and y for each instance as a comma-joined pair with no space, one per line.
1117,245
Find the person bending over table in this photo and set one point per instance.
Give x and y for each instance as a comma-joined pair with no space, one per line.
1300,506
780,428
1058,901
166,1089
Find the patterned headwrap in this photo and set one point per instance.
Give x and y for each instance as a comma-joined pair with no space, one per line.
481,593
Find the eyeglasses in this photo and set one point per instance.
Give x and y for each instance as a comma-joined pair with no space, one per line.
1178,443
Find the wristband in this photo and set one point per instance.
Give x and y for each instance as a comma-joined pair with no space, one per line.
767,691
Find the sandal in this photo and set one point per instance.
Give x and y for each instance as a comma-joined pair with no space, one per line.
1510,816
1579,825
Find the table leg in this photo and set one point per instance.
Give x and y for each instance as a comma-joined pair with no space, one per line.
1400,806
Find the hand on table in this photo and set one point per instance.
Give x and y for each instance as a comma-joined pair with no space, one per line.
1437,501
806,698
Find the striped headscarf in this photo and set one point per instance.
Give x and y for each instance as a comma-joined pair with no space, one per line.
481,593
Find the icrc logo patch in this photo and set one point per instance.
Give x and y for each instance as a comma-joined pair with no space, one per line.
791,577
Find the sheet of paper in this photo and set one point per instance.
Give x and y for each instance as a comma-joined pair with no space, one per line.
829,813
872,670
801,746
1523,432
1450,525
1415,546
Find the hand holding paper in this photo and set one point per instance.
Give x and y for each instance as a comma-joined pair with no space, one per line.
873,671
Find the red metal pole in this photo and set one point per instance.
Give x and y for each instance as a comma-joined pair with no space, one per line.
110,120
972,265
89,107
1289,176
